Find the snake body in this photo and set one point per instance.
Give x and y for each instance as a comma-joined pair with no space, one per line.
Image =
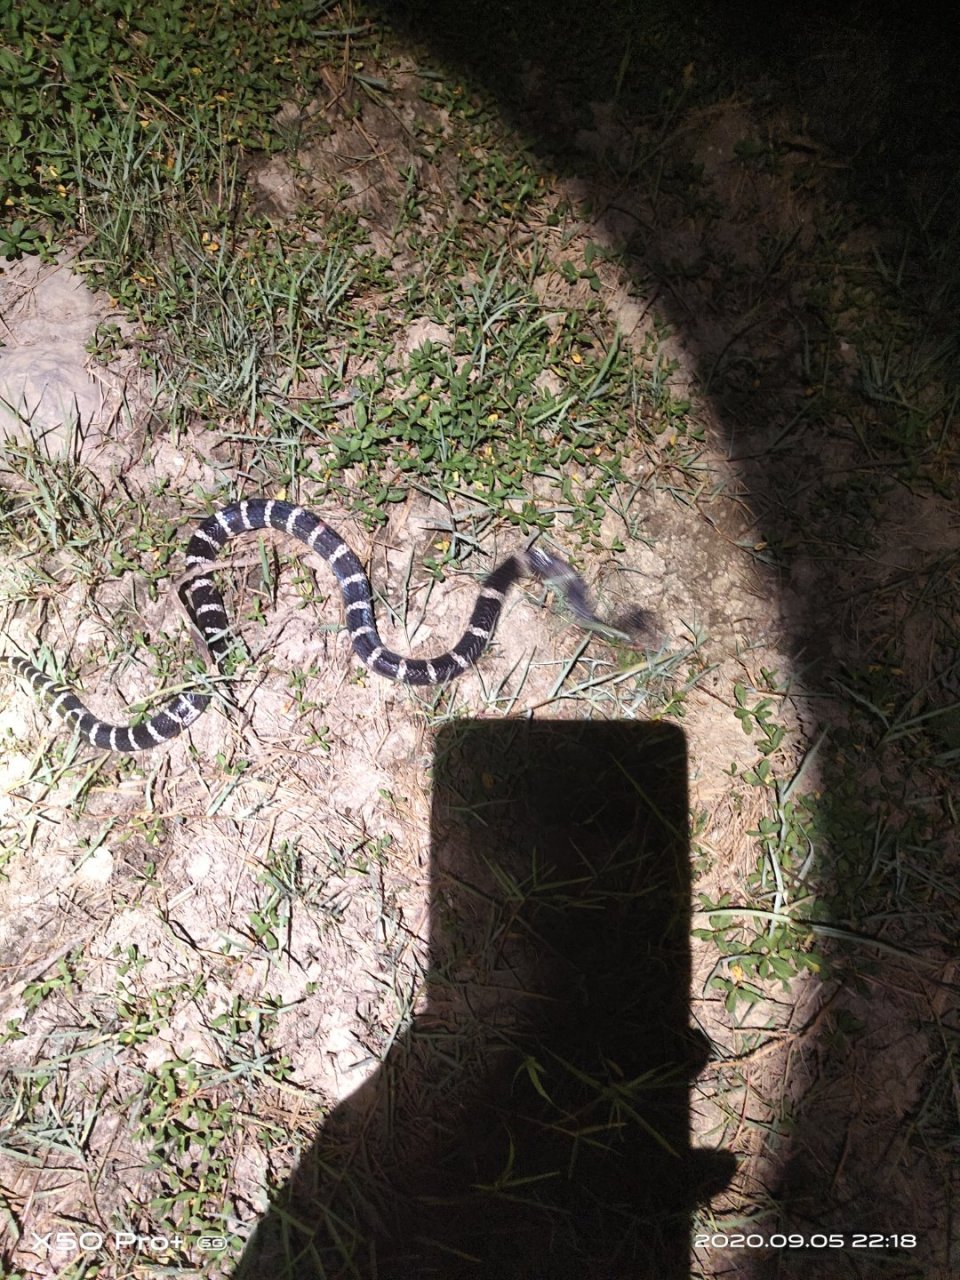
205,607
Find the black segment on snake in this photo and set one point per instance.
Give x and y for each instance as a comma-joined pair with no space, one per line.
205,607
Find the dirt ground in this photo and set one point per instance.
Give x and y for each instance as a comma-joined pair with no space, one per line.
817,1117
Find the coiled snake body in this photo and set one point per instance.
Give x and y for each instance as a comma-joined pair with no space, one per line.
205,606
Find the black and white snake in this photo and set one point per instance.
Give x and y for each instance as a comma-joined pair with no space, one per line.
204,604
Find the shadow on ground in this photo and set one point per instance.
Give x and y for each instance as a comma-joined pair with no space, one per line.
534,1121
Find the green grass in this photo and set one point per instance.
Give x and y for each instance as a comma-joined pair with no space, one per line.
276,344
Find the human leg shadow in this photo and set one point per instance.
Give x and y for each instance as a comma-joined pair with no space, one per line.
534,1121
